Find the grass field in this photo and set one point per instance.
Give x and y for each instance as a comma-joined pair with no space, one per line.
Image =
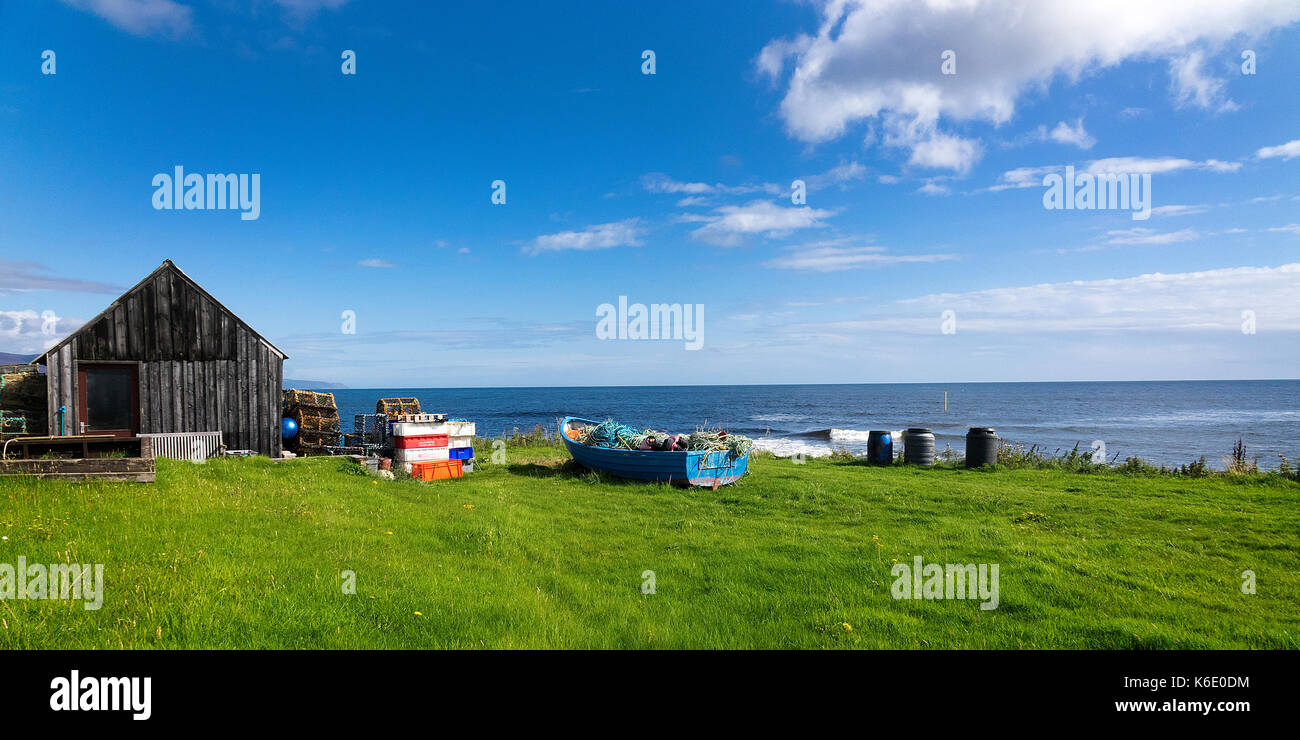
249,553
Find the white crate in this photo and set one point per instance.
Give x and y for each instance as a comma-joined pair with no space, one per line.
425,455
466,441
460,429
416,429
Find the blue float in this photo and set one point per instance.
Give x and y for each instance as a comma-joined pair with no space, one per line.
288,428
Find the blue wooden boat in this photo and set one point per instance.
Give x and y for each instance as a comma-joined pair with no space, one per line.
696,467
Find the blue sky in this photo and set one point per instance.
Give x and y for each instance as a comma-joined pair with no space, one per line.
924,189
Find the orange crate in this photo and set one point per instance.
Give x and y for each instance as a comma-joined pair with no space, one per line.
436,470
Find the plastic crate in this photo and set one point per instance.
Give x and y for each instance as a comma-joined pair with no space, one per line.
467,466
427,454
419,441
460,428
438,470
461,453
417,429
461,441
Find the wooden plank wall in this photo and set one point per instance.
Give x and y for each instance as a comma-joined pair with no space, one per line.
201,369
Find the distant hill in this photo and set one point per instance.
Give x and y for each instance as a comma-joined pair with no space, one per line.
311,385
9,358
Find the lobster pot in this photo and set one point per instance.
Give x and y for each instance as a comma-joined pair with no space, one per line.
918,447
981,447
392,407
880,448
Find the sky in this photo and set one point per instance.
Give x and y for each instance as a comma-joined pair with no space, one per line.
851,191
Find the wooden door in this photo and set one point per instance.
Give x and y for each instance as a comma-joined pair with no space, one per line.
108,399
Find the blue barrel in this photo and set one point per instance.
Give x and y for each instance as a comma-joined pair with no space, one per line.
880,448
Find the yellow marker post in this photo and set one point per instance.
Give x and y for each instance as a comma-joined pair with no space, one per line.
945,402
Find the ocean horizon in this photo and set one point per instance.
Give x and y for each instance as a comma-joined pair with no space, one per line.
1166,422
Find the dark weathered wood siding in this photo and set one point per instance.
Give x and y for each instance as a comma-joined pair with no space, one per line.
201,368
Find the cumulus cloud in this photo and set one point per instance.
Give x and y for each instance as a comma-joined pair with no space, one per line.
141,17
729,225
880,61
375,263
1192,87
1285,151
624,233
29,332
1074,135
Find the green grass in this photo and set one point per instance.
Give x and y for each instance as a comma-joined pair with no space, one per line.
248,553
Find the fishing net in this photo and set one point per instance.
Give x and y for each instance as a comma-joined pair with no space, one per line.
615,436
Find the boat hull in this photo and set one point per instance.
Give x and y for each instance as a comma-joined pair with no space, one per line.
697,468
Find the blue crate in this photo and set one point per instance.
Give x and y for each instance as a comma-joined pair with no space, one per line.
461,453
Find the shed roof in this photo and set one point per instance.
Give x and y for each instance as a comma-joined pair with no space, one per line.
166,265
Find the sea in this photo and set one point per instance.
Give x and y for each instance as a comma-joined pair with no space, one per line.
1163,422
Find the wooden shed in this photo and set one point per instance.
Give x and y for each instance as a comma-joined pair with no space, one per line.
167,357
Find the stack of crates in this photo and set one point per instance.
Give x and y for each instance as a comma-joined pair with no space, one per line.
428,446
419,441
460,441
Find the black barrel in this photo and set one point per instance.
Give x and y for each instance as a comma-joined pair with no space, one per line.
981,447
918,446
880,448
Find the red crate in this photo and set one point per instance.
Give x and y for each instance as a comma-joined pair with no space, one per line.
420,442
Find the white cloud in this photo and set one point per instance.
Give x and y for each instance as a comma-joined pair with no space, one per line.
1213,299
1285,151
1178,210
889,179
27,331
1193,88
1074,135
1031,177
624,233
732,223
839,175
1156,165
880,60
933,188
375,263
22,277
833,256
1141,235
657,182
141,17
1288,229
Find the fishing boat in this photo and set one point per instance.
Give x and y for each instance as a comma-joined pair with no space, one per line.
695,467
